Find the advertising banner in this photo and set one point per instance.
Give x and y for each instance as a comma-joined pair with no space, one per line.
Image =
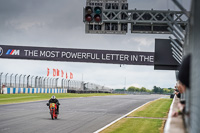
77,55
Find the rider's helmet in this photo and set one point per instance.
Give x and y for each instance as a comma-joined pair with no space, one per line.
53,97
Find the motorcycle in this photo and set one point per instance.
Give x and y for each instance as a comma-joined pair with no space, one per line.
53,110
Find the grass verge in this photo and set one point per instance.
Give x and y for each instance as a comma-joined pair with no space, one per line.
19,98
130,125
154,109
157,109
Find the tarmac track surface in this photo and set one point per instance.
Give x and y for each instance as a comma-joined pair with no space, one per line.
77,115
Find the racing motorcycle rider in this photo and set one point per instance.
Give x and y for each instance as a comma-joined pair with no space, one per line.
54,100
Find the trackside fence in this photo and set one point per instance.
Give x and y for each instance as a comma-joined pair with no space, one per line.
19,83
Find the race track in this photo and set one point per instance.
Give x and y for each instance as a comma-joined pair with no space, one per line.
77,115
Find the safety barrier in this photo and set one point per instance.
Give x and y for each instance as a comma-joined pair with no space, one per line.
32,90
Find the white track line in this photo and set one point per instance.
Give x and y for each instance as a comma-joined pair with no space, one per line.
122,117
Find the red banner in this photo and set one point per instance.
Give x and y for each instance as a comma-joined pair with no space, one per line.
66,76
62,73
54,72
47,72
57,73
71,75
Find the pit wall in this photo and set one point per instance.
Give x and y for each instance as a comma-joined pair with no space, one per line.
32,90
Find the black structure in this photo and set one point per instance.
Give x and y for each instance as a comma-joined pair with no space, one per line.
163,57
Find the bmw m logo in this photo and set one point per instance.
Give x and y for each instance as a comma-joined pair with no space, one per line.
1,51
13,52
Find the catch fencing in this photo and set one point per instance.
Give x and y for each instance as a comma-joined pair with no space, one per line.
19,83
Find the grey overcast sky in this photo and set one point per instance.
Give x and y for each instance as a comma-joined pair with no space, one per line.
59,23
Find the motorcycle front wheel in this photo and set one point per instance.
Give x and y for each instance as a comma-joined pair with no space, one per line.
52,114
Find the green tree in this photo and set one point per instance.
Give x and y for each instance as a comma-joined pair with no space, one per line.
143,89
134,89
162,90
131,88
171,90
155,89
166,90
149,90
137,89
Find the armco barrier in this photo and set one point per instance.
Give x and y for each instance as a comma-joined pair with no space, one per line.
32,90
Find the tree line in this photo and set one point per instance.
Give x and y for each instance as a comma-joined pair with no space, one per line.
155,89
